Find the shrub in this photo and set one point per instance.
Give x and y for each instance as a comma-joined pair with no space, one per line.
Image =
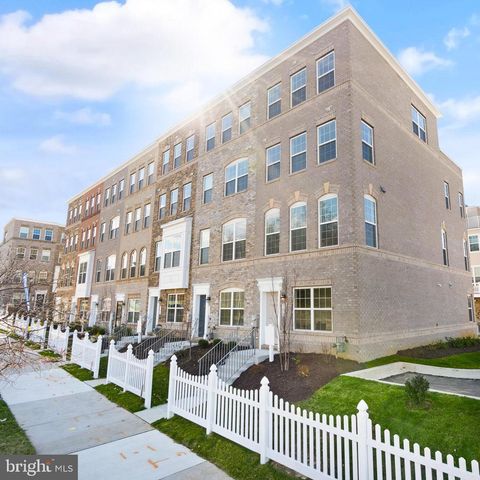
462,342
303,371
202,343
216,340
416,389
96,330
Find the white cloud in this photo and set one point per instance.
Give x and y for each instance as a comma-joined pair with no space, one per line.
454,36
11,174
277,3
84,116
92,54
417,61
464,110
56,145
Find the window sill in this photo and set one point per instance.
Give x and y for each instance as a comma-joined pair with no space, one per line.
332,160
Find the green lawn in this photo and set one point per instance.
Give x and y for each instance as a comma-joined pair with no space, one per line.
236,461
84,374
50,354
450,424
134,403
461,360
13,440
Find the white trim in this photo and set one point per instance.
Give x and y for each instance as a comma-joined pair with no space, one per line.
197,290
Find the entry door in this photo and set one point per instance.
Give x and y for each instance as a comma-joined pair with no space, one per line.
272,311
201,315
118,314
154,312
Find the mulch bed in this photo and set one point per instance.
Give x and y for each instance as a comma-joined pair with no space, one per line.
307,373
432,352
190,364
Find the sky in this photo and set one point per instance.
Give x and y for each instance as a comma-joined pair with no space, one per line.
85,85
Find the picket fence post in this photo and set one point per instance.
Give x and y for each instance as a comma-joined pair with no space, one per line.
111,349
139,331
171,386
362,430
211,397
86,340
149,379
98,352
263,416
67,332
127,366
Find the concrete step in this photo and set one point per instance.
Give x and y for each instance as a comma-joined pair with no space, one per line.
259,357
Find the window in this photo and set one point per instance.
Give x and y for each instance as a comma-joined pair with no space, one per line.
37,233
187,196
76,241
236,177
272,231
171,252
158,258
98,271
82,243
110,268
89,234
75,214
114,226
141,178
274,101
465,256
128,222
232,304
298,87
46,254
48,235
476,274
298,227
138,219
162,205
99,200
446,192
244,114
207,188
146,215
471,310
23,232
94,234
21,252
106,197
133,310
204,246
444,247
367,143
234,239
328,220
33,253
166,162
124,267
474,241
227,121
121,188
210,136
175,307
419,124
461,205
326,72
273,157
143,262
174,201
312,308
87,205
150,170
370,216
82,273
298,153
114,193
133,264
132,182
177,155
102,232
190,147
327,141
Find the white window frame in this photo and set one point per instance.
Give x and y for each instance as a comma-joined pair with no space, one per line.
446,193
273,212
268,162
206,178
312,309
146,215
374,223
270,103
370,144
244,115
238,224
322,59
187,196
142,262
321,143
231,309
325,198
292,91
204,245
162,206
172,252
225,128
445,255
174,196
300,152
166,161
236,176
176,308
417,119
190,147
470,243
210,133
292,207
177,155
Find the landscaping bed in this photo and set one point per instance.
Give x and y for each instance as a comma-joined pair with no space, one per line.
307,373
189,363
452,346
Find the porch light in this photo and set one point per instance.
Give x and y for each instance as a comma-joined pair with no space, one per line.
283,296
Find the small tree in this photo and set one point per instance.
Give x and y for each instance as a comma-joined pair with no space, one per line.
416,389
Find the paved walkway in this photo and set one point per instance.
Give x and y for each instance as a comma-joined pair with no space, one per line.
61,414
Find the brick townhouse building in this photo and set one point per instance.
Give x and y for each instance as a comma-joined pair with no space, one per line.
29,247
473,245
313,190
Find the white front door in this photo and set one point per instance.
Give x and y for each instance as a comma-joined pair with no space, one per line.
269,290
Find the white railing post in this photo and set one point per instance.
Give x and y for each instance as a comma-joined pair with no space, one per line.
85,345
171,386
127,366
111,349
98,352
67,332
263,415
362,431
211,397
149,379
139,330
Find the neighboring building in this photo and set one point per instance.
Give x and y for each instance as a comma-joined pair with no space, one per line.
29,247
316,187
473,224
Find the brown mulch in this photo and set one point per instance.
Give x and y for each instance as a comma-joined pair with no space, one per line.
307,373
432,352
189,363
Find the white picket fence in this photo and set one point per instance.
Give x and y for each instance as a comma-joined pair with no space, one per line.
86,353
317,446
20,326
58,340
37,332
131,373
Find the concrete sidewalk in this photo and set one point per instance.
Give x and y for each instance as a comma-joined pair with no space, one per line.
61,414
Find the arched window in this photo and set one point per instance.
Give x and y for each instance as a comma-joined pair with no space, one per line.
133,263
143,261
232,304
328,220
272,231
298,226
236,177
124,267
234,239
370,216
